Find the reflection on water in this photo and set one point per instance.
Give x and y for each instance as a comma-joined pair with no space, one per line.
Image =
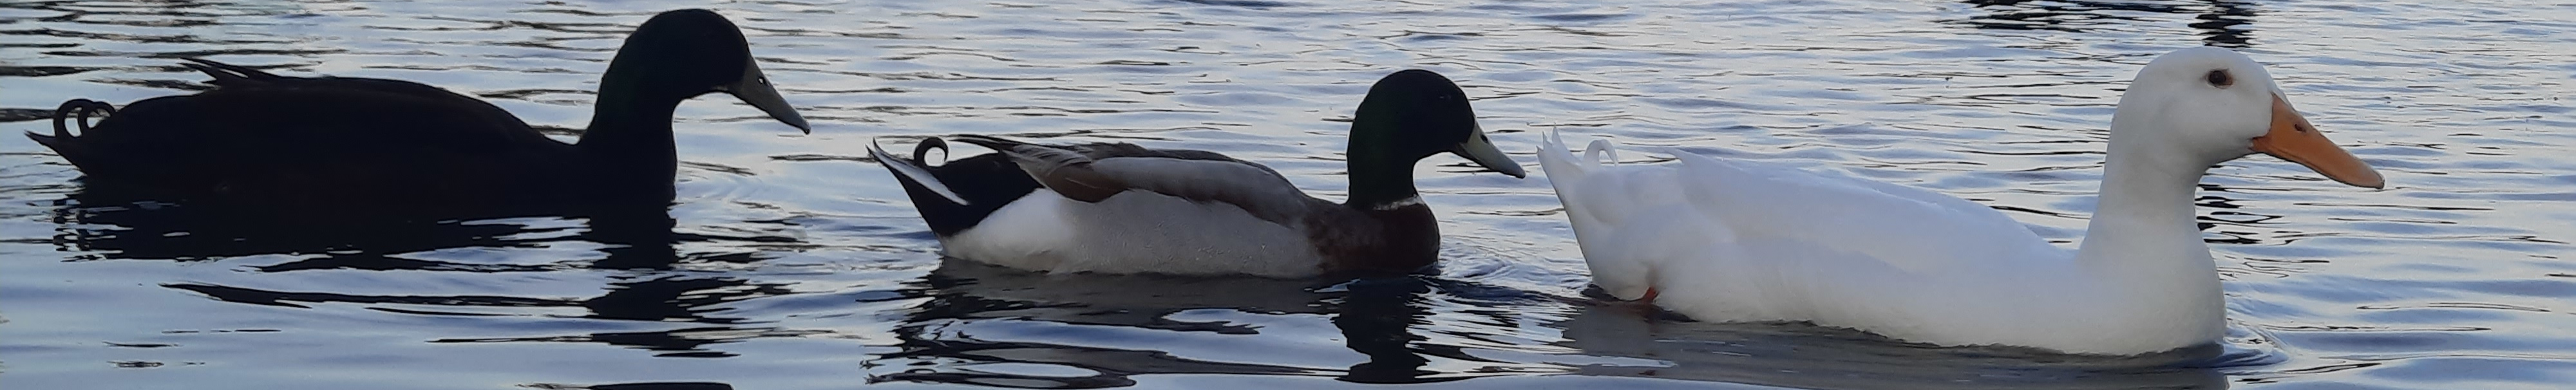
790,261
631,239
964,294
2223,23
163,231
993,326
977,315
1808,357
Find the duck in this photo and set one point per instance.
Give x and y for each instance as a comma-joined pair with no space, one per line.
258,138
1742,241
1119,208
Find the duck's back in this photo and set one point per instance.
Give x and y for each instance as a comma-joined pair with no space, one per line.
1909,228
1174,211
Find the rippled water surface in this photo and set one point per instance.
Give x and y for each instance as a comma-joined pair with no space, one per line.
791,262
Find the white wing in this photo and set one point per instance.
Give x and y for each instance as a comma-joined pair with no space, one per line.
1906,227
1762,209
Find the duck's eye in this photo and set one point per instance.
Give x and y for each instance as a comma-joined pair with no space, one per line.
2220,78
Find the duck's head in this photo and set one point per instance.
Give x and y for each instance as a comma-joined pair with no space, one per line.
1414,114
2216,105
681,54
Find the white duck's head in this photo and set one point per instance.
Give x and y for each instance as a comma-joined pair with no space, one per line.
2214,105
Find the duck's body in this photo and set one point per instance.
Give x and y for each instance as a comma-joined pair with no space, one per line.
1121,208
263,137
1742,241
259,138
1216,215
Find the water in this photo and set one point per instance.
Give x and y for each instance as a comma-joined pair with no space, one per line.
791,262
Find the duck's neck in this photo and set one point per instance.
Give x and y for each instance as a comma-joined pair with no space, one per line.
1380,162
2144,229
1381,188
629,140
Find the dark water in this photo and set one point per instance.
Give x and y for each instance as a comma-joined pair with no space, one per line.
790,262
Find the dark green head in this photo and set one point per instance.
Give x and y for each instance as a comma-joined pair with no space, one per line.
685,53
1408,116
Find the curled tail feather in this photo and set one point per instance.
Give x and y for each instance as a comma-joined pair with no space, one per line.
910,170
1593,152
1574,178
77,112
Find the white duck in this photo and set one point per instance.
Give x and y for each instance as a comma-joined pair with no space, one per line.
1742,241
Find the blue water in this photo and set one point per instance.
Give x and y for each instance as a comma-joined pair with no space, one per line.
791,262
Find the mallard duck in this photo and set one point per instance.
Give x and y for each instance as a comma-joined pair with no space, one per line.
260,138
1727,240
1120,208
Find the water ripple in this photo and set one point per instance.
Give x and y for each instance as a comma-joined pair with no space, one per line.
791,262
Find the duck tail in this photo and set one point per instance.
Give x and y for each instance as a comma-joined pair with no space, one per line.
70,116
911,172
229,75
1571,177
1560,164
1595,195
942,193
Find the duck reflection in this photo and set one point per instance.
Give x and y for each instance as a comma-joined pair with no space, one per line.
637,241
2218,26
983,325
660,386
144,230
1812,357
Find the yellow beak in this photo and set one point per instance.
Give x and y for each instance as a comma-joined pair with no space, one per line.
2292,138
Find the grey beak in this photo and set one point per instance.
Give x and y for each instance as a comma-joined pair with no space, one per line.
1482,151
754,88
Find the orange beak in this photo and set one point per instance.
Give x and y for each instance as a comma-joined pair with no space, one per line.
2292,138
